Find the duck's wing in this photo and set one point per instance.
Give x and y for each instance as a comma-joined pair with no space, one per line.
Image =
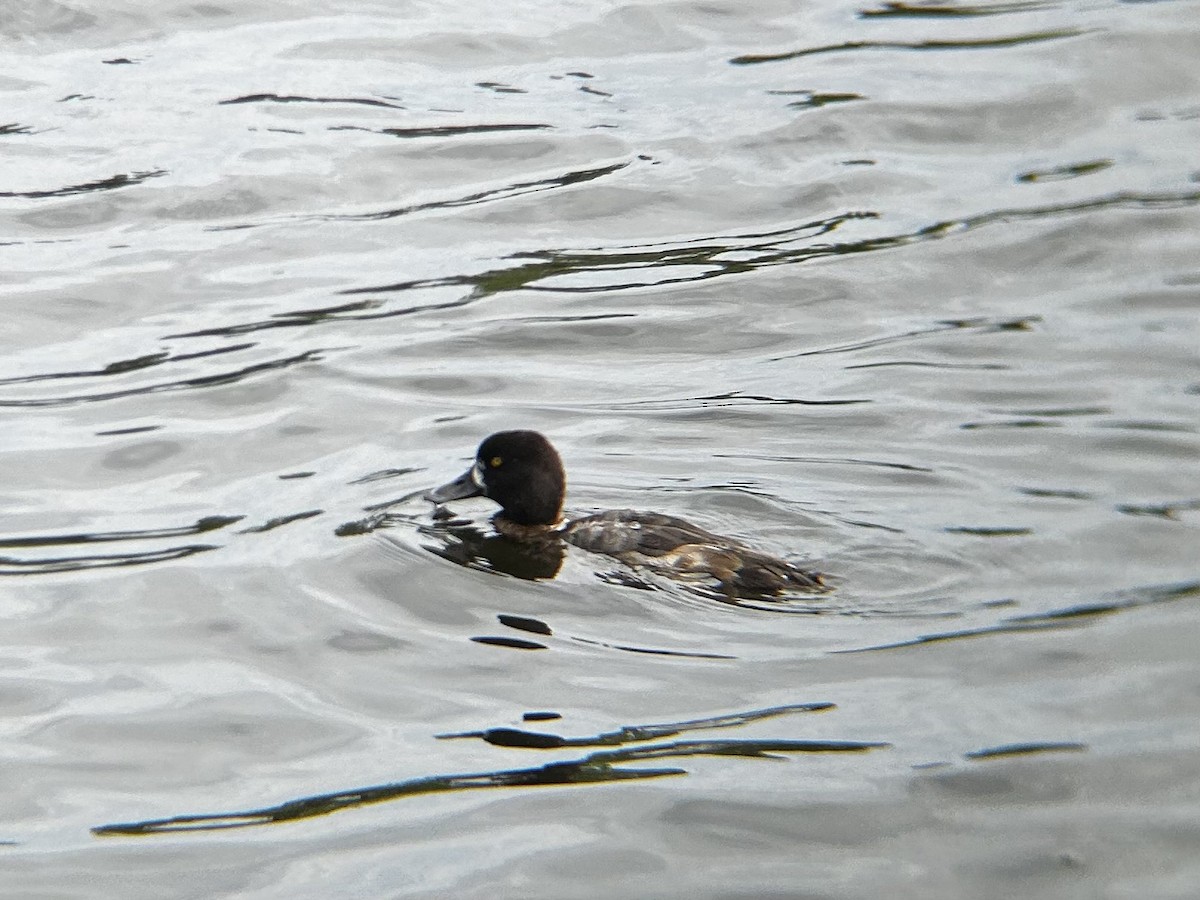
763,573
678,547
619,531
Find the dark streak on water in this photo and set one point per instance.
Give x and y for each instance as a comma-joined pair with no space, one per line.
967,44
1026,749
204,381
599,766
936,11
295,98
1060,618
113,182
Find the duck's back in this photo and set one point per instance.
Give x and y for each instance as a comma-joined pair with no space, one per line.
677,547
629,531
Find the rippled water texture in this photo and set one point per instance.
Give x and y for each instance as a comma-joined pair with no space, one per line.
908,293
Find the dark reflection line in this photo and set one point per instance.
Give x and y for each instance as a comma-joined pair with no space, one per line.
290,319
136,429
1135,597
320,313
382,518
536,626
654,651
963,44
518,189
917,364
761,239
569,320
104,184
297,98
511,643
1060,412
747,488
204,381
1064,172
1132,199
1135,425
508,279
1012,423
980,324
731,398
12,566
1006,627
39,242
120,367
1067,617
296,320
447,130
500,87
835,460
524,623
711,255
996,531
15,128
862,523
386,473
601,766
201,526
964,11
1169,510
280,521
648,651
1026,749
1056,493
813,100
356,312
629,734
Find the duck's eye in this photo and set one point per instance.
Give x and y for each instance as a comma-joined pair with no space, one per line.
496,462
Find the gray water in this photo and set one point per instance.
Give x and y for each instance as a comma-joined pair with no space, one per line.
907,293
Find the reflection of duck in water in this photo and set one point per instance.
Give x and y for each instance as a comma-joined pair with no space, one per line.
522,472
462,542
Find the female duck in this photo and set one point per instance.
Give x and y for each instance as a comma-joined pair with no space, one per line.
521,471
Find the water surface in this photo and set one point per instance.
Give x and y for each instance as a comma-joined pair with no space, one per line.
908,292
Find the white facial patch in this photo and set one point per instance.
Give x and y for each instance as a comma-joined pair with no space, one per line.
477,476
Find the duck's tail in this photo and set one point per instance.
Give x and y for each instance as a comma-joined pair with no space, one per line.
806,579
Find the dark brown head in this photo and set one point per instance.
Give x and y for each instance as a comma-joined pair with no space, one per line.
521,471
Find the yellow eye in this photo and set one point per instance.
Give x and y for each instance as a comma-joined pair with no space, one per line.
496,462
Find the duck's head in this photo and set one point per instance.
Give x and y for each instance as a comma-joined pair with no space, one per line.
521,471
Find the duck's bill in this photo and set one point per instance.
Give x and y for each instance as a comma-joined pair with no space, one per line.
465,485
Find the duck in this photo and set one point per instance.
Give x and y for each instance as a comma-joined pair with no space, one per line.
523,473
